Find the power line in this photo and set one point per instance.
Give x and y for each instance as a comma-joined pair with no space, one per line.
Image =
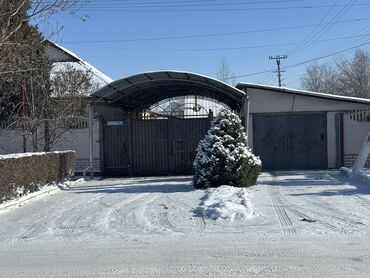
135,2
314,30
326,56
154,9
305,62
326,28
360,34
183,3
216,34
219,48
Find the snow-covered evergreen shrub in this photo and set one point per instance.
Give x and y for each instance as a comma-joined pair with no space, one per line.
223,157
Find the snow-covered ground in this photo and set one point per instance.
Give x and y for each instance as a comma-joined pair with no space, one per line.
293,224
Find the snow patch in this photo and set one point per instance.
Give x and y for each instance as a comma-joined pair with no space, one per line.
227,203
19,155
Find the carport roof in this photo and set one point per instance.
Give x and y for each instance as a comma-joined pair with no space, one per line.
142,90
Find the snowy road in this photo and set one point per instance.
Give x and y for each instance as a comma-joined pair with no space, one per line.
293,224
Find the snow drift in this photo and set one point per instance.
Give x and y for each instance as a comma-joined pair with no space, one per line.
226,203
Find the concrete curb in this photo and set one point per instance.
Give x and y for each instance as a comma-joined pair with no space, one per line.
36,194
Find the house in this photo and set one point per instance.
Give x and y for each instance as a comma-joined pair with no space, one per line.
151,123
288,128
63,58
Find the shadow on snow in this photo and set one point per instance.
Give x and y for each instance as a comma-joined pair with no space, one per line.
150,185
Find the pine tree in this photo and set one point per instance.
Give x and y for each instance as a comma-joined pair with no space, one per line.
223,156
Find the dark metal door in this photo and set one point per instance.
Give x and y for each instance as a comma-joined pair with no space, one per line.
184,136
116,138
295,141
308,141
270,140
152,147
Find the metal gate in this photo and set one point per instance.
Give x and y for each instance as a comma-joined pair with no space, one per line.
136,147
294,141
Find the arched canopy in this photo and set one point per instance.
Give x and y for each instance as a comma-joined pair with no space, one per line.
140,91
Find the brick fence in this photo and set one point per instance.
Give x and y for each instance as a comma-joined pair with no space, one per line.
350,159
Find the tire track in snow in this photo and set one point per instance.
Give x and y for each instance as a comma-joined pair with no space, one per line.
362,201
318,213
140,220
165,223
68,227
284,220
295,211
198,222
118,221
134,208
78,221
35,229
333,213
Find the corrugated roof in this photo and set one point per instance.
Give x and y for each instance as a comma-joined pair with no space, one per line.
142,90
243,85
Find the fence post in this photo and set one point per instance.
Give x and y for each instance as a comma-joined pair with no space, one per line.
91,137
246,115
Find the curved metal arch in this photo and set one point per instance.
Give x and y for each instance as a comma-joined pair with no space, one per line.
144,89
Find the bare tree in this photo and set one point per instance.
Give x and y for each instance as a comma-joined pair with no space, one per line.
350,77
67,107
15,13
354,77
225,74
320,78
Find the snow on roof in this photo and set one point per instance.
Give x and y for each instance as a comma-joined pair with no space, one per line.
242,85
101,76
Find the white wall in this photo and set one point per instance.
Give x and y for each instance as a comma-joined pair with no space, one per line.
331,140
78,140
264,101
11,141
354,135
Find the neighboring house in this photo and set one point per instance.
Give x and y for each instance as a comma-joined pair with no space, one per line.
62,57
76,138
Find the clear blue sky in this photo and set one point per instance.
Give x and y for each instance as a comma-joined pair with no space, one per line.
134,32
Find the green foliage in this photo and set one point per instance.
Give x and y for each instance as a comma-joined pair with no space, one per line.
223,156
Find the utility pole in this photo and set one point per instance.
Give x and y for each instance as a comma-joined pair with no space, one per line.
278,71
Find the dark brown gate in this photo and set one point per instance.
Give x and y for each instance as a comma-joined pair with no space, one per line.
138,147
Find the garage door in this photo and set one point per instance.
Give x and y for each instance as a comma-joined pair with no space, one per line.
294,141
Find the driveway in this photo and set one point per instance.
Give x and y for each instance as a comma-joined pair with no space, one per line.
296,224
